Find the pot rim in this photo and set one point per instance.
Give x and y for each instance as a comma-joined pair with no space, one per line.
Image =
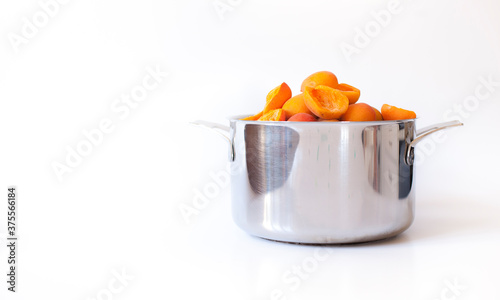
238,118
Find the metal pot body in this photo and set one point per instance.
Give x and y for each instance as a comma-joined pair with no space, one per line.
322,182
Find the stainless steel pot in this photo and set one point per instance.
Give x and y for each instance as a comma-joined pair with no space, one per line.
323,182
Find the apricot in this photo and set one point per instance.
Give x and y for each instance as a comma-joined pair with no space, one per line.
320,78
302,117
378,114
253,118
296,105
277,97
323,99
359,112
273,115
351,92
390,112
325,102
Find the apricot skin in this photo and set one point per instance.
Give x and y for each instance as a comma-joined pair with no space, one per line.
359,112
390,112
296,105
351,92
320,78
302,117
378,114
332,120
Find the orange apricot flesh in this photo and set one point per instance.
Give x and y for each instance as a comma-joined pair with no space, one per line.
390,112
273,115
254,117
320,78
326,102
359,112
277,97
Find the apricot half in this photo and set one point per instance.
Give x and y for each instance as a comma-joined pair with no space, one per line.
296,105
378,114
302,117
254,117
390,112
359,112
320,78
325,102
351,92
273,115
277,97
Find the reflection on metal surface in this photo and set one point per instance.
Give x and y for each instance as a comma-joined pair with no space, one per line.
270,152
405,170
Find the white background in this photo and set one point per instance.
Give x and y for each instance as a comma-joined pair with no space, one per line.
118,209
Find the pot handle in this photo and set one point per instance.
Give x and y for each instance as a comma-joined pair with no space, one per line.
222,130
422,133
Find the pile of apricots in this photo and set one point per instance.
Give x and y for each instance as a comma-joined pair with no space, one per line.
323,98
